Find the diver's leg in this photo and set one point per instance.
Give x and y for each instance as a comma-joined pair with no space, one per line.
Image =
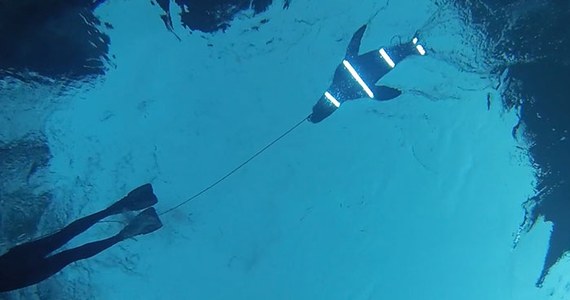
50,243
144,223
16,266
52,264
138,198
27,264
58,261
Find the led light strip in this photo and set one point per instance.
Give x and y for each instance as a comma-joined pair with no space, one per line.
332,99
387,58
419,47
355,75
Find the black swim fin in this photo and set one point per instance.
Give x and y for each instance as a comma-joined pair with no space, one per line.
144,223
139,198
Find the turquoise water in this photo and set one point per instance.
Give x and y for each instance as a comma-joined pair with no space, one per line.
415,198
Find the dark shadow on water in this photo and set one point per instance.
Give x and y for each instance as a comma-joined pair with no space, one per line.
537,36
53,38
212,15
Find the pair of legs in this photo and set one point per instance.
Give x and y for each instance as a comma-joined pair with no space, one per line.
31,262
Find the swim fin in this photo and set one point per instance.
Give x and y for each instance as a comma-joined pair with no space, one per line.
144,223
139,198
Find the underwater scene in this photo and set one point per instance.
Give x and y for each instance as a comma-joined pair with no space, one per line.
285,149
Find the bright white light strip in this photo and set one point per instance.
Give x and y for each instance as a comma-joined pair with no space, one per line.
357,78
421,49
332,99
387,58
415,40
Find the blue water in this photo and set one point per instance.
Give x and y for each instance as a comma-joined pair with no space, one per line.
415,198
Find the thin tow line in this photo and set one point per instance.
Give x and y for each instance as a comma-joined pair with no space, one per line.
230,173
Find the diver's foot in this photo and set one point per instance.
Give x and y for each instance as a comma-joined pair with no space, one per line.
139,198
144,223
